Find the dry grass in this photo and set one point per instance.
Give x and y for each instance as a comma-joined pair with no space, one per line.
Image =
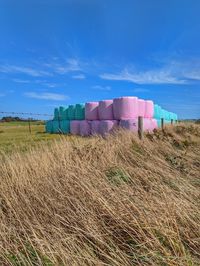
118,201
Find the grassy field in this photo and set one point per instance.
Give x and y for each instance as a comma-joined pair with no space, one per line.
15,136
94,201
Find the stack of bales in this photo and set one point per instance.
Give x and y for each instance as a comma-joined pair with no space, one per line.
103,117
160,113
63,116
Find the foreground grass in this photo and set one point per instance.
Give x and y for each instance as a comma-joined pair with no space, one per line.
15,136
115,201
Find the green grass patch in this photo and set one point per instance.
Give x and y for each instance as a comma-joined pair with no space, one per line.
117,176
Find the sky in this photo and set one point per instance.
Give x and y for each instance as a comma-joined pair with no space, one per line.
59,52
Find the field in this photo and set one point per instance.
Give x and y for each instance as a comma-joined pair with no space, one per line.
15,136
94,201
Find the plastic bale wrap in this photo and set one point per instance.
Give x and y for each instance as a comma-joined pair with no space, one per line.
56,114
125,108
79,111
65,126
85,129
56,126
75,127
107,126
71,112
141,107
65,114
129,124
91,111
149,109
49,126
61,112
95,127
105,110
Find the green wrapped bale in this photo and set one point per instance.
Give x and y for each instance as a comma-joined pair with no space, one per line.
65,126
65,114
71,112
49,126
56,126
61,112
56,114
79,112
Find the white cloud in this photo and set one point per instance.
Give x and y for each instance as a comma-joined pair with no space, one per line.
24,70
79,76
102,88
146,77
47,96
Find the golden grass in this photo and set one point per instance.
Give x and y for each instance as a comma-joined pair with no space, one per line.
115,201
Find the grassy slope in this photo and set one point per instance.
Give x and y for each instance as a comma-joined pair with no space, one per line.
103,202
15,136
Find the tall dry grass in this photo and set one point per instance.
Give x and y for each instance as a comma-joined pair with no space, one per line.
114,201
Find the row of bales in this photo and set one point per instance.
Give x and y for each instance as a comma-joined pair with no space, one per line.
94,118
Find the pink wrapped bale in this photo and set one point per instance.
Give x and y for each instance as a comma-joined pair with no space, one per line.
125,108
149,124
149,109
154,124
85,128
106,110
91,111
129,124
75,127
95,127
107,126
141,107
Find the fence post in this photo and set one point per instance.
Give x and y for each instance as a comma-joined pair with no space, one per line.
140,127
172,121
162,124
29,125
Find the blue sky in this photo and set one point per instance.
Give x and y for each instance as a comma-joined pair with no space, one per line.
58,52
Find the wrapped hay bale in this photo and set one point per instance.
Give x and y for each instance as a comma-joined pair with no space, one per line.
125,108
106,110
91,111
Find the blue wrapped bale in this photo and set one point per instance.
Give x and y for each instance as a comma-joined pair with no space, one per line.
49,126
56,114
56,126
71,112
79,112
65,126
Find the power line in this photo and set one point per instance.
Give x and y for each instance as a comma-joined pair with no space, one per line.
32,114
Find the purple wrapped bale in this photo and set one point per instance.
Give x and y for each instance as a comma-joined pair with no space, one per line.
85,129
106,110
129,124
91,111
107,126
95,127
125,108
75,127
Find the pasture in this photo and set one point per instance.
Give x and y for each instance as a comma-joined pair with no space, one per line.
114,201
15,136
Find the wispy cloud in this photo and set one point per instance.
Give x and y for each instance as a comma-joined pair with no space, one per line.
47,96
21,81
79,76
140,90
146,77
102,88
2,94
24,70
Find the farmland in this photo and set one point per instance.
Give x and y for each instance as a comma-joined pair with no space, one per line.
15,136
94,201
